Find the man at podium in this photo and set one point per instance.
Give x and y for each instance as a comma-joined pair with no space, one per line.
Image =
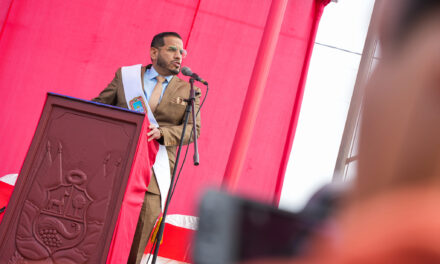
155,89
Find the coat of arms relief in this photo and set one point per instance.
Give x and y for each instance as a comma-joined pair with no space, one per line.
58,228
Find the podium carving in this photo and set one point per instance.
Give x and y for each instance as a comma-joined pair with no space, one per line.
68,194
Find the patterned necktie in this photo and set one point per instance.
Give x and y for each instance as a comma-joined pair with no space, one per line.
157,92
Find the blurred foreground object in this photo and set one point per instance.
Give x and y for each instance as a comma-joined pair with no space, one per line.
392,213
234,229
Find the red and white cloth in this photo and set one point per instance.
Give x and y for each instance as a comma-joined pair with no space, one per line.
176,247
7,184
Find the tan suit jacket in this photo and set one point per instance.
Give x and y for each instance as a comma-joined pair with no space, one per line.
169,113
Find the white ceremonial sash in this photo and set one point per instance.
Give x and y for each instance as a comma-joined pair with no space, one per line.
136,100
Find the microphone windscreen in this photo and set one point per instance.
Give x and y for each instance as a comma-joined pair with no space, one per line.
186,71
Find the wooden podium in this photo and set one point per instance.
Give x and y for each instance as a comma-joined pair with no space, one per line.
68,196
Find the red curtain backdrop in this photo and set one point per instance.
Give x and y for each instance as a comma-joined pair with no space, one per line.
74,48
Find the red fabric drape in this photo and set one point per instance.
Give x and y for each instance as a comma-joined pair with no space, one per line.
5,8
133,198
5,194
74,48
318,10
254,94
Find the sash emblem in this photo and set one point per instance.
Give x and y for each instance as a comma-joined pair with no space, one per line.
137,104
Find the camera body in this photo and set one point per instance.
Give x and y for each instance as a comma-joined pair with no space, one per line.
233,229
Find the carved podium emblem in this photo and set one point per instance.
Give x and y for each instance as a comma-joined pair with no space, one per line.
62,223
57,230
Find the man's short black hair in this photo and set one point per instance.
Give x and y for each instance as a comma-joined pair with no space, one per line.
158,39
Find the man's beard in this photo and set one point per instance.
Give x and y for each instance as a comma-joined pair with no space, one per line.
162,63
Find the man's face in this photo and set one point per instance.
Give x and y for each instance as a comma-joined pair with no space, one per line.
168,58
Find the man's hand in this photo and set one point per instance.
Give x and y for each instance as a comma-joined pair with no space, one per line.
154,133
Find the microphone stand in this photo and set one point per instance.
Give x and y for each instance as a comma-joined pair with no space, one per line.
192,98
189,106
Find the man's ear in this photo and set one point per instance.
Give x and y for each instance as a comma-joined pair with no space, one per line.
153,53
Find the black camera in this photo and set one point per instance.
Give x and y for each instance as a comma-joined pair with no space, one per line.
234,229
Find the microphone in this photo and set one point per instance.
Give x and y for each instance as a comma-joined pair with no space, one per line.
187,72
